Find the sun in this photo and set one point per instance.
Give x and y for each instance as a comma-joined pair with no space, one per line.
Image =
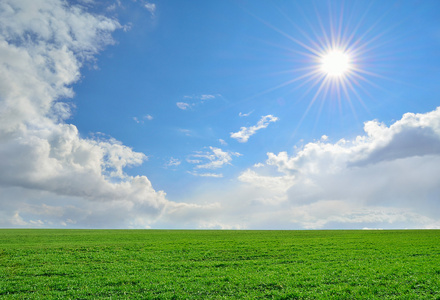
335,63
334,59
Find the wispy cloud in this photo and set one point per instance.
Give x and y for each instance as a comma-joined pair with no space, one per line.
186,132
141,121
213,175
213,159
246,132
151,7
113,6
207,97
222,142
192,101
245,115
183,105
173,162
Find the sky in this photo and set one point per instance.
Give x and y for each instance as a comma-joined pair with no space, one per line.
219,114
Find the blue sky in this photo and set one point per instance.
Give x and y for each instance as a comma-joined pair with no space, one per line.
218,114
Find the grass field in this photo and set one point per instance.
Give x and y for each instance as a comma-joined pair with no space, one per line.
163,264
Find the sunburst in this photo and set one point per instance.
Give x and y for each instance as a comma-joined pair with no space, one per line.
333,59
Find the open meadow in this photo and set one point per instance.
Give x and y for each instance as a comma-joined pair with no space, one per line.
183,264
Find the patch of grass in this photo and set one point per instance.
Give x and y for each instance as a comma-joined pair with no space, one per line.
181,264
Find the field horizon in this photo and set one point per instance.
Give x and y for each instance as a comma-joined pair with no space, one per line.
219,264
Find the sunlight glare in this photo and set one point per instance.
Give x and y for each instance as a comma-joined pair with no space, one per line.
332,59
335,63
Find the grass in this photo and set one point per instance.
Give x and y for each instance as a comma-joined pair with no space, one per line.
180,264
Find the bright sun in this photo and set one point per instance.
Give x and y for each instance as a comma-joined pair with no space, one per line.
335,63
329,60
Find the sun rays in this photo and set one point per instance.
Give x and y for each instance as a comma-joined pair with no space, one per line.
333,58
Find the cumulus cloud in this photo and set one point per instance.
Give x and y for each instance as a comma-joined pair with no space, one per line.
246,132
43,45
387,176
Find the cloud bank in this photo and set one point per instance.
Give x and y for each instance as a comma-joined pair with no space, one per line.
43,45
389,176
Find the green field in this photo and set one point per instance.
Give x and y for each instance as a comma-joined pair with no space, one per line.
180,264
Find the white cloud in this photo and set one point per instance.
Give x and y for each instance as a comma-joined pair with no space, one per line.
183,105
246,132
151,7
388,176
141,121
222,142
43,44
214,159
112,7
173,162
207,97
186,132
245,115
213,175
275,183
196,100
380,179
